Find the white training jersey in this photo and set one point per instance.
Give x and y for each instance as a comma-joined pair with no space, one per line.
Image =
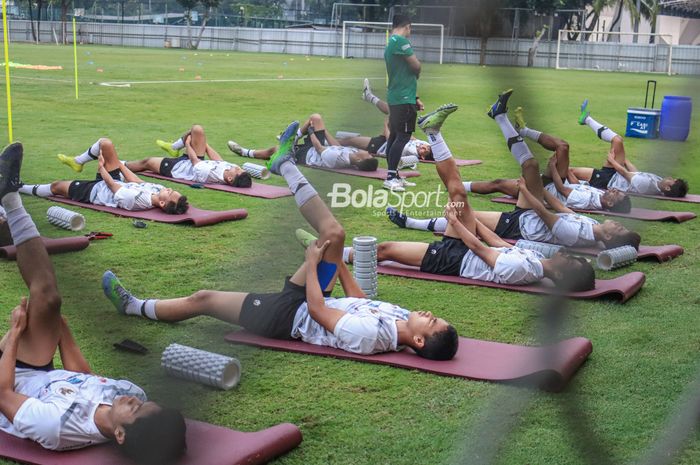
131,196
368,326
513,266
206,171
334,157
642,183
570,230
3,215
410,149
60,411
582,196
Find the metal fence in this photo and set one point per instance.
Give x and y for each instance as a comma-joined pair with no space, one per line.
466,50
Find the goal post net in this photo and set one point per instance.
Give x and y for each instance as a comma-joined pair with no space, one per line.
614,51
363,39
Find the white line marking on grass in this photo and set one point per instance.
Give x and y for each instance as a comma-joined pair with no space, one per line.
198,81
41,79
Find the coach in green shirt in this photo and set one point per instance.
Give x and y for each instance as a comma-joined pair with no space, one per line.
403,69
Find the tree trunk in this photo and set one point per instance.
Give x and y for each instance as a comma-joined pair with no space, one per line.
31,19
482,53
189,28
39,6
201,29
64,15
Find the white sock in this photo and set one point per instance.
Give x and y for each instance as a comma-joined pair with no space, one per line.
530,133
141,307
178,144
518,148
441,151
90,154
299,134
467,186
22,228
601,131
300,187
430,224
247,152
40,190
346,254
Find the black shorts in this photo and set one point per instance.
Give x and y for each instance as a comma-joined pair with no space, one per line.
302,149
115,174
80,190
272,315
167,165
402,118
601,178
444,257
20,364
375,143
508,226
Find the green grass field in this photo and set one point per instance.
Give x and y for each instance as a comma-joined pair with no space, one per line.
645,352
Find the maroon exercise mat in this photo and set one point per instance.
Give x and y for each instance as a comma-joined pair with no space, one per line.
661,253
193,215
459,162
206,445
636,213
623,287
380,173
689,198
256,190
549,367
53,246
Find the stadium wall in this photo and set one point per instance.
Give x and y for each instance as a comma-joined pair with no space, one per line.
466,50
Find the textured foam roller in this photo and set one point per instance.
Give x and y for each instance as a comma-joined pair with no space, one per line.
201,366
410,161
256,171
380,173
548,250
365,264
616,258
66,219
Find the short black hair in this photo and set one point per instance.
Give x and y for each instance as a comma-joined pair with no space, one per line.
400,21
579,278
627,238
623,206
440,346
157,439
177,208
368,164
678,189
242,180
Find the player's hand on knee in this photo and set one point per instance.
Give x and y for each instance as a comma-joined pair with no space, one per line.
18,317
314,254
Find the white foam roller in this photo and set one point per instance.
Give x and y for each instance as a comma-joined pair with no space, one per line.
548,250
409,161
344,134
256,171
66,219
201,366
616,258
365,264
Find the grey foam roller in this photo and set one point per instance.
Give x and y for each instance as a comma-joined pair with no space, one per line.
548,250
66,219
365,264
616,258
201,366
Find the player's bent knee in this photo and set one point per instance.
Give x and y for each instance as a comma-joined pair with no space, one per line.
197,129
46,296
200,298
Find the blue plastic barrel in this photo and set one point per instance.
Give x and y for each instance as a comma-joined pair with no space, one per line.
675,117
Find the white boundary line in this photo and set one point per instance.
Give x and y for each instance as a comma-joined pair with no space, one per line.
199,81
